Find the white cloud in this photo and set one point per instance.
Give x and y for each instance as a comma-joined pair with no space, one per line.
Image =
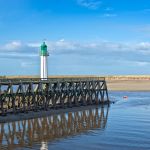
134,63
64,44
144,46
138,63
108,9
33,44
27,64
111,55
142,63
14,45
109,15
91,4
19,49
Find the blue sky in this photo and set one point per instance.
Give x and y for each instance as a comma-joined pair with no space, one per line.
93,37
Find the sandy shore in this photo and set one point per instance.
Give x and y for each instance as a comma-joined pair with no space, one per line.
128,85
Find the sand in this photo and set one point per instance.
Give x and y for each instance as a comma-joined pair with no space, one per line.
128,85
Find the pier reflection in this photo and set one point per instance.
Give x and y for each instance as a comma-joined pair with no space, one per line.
28,133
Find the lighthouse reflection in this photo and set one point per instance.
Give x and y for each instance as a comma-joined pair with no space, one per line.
28,133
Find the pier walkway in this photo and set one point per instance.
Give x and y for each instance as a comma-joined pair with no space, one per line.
34,94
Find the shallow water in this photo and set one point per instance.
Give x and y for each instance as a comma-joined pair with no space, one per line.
123,125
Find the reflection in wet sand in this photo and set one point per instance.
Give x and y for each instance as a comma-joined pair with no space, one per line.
28,133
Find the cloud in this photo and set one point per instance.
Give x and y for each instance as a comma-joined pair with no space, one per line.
142,63
143,46
108,9
109,12
25,64
109,15
17,49
134,63
101,56
62,47
91,4
14,45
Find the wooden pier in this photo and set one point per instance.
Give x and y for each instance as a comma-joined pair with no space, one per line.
23,95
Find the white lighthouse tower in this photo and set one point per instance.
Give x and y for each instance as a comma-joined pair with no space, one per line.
44,61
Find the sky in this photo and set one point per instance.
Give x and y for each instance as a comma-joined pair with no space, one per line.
84,37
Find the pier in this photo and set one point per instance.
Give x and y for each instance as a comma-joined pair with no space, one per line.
34,94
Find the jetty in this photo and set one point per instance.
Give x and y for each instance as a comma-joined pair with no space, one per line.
34,94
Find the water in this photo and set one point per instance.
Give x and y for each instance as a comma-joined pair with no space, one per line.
124,125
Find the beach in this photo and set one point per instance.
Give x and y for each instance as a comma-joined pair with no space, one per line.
128,85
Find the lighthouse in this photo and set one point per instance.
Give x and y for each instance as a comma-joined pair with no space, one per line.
44,61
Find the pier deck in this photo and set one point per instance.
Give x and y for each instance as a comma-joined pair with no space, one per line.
23,95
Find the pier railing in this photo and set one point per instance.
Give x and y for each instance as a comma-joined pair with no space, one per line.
3,80
23,95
